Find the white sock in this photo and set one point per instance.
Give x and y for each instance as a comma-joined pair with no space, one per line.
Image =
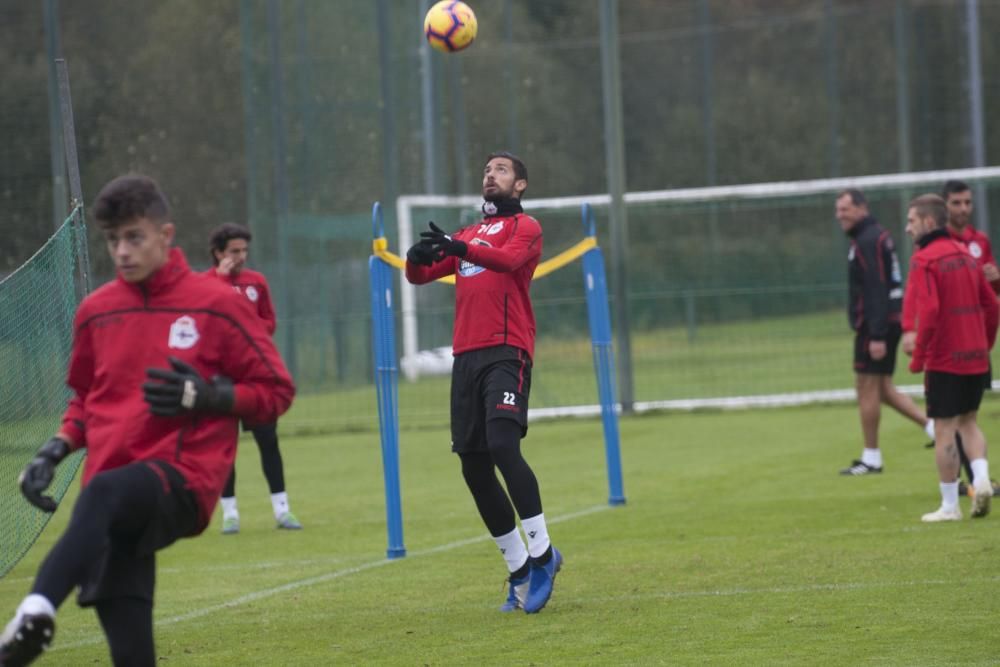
36,604
513,550
279,502
929,428
980,472
229,510
872,457
537,534
949,495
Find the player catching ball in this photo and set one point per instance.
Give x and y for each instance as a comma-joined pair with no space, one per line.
493,262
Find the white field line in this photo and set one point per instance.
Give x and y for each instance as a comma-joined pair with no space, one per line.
319,579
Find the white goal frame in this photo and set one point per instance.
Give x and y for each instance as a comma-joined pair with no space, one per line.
405,205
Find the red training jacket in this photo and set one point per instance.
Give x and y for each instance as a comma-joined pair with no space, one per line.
492,306
981,250
956,310
253,286
122,328
979,246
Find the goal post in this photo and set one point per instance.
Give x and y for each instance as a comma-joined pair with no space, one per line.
736,291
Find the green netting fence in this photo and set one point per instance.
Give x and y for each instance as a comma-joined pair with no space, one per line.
37,305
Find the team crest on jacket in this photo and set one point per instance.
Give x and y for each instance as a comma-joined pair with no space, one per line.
975,250
467,269
183,333
251,293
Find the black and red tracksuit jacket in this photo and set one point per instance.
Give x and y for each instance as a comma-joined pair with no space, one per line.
875,292
253,286
492,305
122,328
956,309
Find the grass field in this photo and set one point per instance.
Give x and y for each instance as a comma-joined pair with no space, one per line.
739,545
775,355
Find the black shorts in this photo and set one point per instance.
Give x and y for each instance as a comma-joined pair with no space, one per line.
950,395
490,383
127,568
863,363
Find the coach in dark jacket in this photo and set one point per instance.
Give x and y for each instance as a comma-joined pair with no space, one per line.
875,298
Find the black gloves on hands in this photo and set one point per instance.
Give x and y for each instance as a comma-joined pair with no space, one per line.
442,244
183,390
422,253
38,474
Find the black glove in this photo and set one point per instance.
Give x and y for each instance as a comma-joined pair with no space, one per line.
442,244
422,253
184,390
38,474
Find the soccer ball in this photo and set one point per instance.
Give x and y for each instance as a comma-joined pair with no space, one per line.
450,26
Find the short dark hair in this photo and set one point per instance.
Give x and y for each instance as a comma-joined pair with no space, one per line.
857,196
520,171
931,206
952,187
223,234
128,198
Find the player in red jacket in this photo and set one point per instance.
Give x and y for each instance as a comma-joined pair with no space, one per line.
958,200
494,341
164,364
230,245
956,319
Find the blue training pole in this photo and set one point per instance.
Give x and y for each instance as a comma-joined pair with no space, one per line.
386,387
596,286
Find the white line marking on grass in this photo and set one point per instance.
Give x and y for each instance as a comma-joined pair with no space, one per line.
319,579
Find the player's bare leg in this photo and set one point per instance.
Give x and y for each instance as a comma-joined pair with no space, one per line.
946,457
974,443
869,410
901,403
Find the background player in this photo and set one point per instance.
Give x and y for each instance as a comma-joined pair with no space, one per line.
230,246
956,314
873,310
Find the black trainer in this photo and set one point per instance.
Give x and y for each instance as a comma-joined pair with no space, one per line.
860,468
26,639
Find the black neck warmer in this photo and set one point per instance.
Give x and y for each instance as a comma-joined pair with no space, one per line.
502,208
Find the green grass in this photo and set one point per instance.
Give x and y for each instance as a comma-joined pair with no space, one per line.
776,355
739,545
